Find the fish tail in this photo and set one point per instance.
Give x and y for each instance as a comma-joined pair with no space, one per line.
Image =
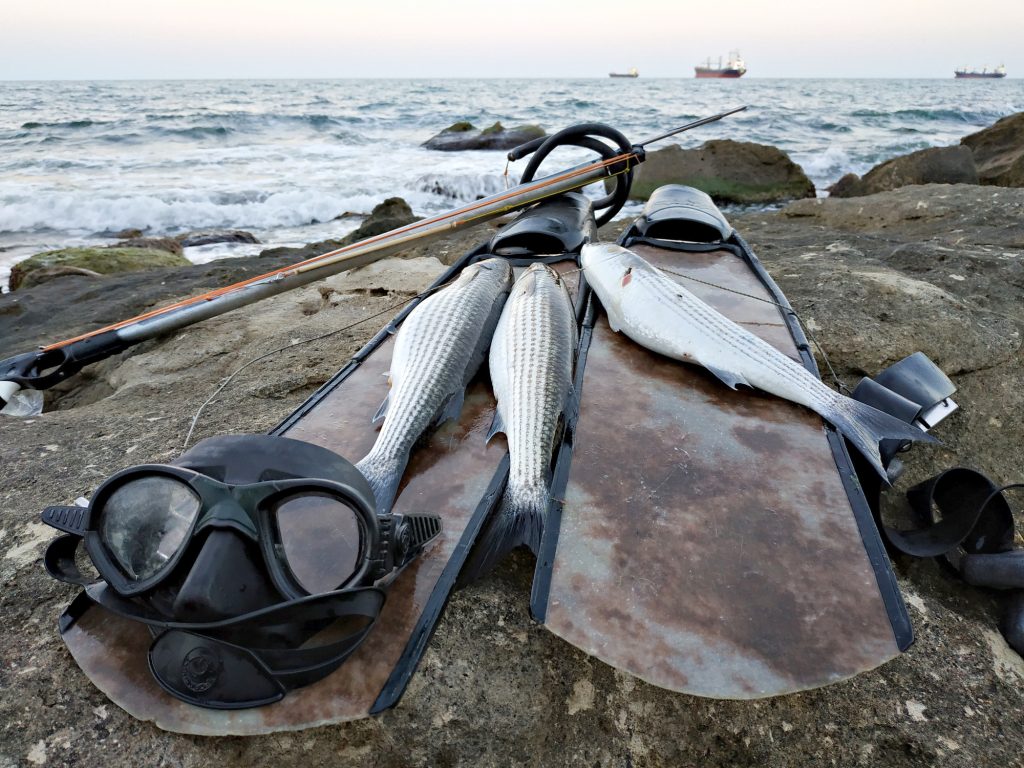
518,521
383,476
865,427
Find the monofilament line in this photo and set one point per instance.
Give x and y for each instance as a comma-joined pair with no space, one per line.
271,353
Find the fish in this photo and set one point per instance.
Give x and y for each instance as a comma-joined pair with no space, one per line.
531,366
660,314
438,349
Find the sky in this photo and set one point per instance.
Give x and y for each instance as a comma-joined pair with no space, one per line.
128,39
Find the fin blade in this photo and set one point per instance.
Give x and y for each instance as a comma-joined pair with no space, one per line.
865,426
515,523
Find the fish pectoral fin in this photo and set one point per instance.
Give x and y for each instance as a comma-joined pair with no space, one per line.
497,425
452,407
728,378
382,411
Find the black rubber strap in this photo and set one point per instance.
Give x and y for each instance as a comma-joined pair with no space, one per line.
965,519
959,508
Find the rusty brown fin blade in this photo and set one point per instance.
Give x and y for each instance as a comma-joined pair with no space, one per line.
708,543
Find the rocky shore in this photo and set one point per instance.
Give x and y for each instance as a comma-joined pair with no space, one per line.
936,267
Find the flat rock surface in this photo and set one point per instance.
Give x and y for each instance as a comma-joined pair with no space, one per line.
874,278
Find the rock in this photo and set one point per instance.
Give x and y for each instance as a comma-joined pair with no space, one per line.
999,152
391,214
948,213
209,236
729,171
495,687
105,261
388,276
463,136
128,234
169,244
845,186
935,165
45,274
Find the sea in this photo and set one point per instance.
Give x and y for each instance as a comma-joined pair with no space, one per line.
283,159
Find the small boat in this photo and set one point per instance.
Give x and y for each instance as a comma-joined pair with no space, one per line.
632,72
733,67
980,74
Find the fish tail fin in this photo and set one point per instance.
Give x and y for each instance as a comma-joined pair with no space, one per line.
518,520
865,427
384,477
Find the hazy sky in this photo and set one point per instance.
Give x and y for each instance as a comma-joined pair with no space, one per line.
97,39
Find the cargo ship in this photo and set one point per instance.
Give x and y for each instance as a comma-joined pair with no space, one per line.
732,67
980,74
632,72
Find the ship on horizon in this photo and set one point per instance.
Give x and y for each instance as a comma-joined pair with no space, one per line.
631,72
980,74
733,67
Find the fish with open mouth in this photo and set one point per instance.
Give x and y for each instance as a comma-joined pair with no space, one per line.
531,363
661,315
438,349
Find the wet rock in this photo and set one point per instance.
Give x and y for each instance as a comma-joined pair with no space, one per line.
169,244
105,261
729,171
45,274
390,214
999,152
128,234
463,136
210,236
935,165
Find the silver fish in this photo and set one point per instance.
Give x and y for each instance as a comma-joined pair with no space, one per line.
438,349
531,364
661,315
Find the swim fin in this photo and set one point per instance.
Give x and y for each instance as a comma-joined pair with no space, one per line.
340,417
711,542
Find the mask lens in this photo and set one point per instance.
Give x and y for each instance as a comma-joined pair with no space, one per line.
145,522
321,540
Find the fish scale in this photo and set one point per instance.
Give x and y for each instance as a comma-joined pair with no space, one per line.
660,314
531,366
438,349
674,297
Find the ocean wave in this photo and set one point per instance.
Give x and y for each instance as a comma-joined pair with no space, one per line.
941,114
73,124
86,212
830,163
462,187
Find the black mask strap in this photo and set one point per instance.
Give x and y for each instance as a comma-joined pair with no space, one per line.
221,664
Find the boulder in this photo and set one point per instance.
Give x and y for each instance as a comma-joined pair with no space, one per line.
729,171
104,261
391,214
935,165
210,236
463,136
169,244
999,152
